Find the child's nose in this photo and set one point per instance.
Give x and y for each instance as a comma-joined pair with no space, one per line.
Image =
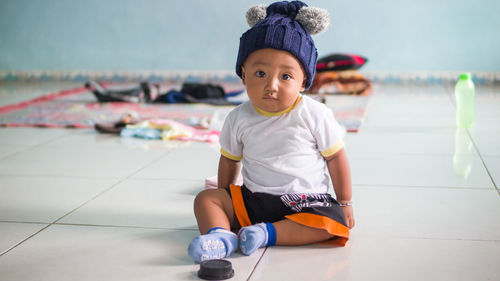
272,84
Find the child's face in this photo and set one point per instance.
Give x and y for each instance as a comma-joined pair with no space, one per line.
273,79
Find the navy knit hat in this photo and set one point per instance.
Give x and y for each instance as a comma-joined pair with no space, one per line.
284,26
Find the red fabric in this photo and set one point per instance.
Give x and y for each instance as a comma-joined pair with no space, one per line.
337,62
49,97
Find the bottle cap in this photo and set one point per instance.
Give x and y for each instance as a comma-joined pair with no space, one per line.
216,270
465,76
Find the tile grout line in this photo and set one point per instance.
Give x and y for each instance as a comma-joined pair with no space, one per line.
83,204
256,264
114,185
24,240
472,188
196,230
28,222
484,163
16,153
406,237
58,176
103,225
31,147
125,226
450,94
96,178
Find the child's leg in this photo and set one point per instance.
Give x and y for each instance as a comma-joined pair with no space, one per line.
214,208
215,215
284,232
290,233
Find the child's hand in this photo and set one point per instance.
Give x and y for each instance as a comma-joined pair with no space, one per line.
349,216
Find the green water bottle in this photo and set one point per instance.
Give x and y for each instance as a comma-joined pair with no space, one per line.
464,96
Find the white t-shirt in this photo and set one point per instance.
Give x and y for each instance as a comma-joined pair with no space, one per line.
283,152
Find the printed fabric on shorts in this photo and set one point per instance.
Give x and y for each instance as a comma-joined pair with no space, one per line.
298,201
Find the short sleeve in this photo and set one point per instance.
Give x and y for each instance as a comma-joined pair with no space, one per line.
328,134
231,145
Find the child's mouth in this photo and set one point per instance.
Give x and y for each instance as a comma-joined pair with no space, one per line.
270,98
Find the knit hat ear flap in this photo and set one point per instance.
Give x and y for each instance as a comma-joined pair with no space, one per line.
315,20
256,14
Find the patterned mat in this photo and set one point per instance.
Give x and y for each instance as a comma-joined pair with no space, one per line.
77,108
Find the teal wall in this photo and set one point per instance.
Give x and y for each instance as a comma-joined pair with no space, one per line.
101,35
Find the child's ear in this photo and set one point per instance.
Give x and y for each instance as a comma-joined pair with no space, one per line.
303,85
243,75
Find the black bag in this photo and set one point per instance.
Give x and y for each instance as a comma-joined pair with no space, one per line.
203,91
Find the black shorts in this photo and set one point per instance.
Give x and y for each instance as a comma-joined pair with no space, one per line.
315,210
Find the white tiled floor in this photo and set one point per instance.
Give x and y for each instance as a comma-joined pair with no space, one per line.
76,205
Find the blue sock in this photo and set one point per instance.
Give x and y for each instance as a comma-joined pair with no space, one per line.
256,236
218,243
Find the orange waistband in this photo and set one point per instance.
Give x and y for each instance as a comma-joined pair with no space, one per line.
239,206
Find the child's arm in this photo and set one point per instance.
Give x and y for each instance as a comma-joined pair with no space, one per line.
338,166
228,172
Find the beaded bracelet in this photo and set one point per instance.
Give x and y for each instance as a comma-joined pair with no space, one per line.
345,204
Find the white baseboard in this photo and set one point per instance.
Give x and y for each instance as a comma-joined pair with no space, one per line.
422,77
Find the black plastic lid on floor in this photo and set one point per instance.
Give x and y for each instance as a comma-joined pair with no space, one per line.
216,270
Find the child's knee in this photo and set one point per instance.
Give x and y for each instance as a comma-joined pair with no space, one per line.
203,197
210,196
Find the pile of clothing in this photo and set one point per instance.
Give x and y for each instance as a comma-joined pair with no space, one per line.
337,74
130,125
147,92
165,129
161,129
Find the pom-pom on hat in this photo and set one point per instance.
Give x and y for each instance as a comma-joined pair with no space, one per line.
284,26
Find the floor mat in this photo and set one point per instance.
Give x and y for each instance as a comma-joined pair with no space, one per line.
77,108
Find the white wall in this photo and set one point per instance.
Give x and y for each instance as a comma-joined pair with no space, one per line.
100,35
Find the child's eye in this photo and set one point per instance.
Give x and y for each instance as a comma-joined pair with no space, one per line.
286,77
260,73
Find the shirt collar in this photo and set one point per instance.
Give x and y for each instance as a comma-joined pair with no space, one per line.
272,114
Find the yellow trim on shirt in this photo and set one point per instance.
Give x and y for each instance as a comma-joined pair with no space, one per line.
332,150
271,114
230,156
